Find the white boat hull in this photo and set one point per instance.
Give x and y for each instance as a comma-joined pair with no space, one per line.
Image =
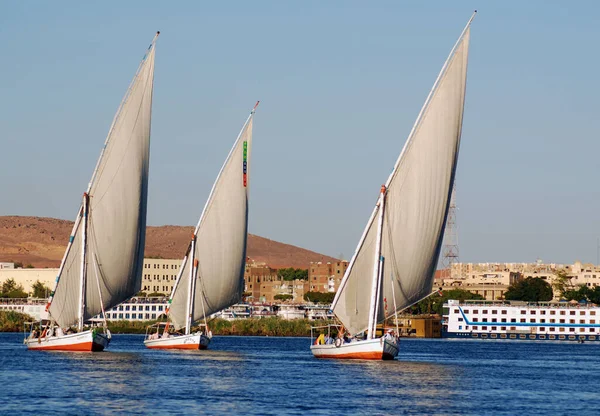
179,342
81,341
372,349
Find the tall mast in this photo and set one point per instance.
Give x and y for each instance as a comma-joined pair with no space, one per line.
191,287
377,266
82,278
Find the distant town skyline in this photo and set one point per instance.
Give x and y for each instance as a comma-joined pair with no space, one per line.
340,85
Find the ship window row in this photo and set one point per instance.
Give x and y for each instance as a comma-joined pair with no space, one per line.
525,311
540,329
139,308
141,316
541,321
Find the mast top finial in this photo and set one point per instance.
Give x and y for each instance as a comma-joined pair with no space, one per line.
475,11
158,31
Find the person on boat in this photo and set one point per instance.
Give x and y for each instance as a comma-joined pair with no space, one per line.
59,332
320,340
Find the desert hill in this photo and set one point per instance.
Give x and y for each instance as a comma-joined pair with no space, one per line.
41,242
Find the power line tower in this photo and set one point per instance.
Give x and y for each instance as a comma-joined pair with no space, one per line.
450,249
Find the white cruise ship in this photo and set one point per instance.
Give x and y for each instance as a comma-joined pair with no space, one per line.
558,321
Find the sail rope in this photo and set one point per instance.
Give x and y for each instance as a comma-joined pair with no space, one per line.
97,269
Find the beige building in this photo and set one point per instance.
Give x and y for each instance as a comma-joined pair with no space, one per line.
326,277
491,280
27,277
490,284
262,284
159,275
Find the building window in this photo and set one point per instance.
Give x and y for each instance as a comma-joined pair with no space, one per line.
562,312
592,312
572,312
475,320
581,329
543,321
503,328
493,328
542,312
532,320
523,312
523,320
504,312
581,312
475,311
460,319
513,320
456,311
484,311
551,329
126,316
533,312
582,321
140,315
552,312
465,311
571,321
494,312
494,320
120,316
572,329
503,319
562,321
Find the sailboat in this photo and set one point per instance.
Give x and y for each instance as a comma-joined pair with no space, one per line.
211,276
102,265
395,261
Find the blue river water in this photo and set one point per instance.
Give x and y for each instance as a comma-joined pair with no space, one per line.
279,376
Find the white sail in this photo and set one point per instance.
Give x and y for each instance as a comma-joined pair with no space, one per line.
116,220
416,201
352,302
220,247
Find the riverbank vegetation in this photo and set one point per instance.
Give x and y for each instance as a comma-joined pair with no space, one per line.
11,321
272,326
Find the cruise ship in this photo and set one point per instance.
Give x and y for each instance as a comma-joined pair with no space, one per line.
555,321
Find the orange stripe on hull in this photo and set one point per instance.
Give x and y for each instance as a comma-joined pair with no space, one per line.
178,347
360,356
83,346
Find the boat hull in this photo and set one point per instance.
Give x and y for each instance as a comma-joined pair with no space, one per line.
181,342
372,349
86,341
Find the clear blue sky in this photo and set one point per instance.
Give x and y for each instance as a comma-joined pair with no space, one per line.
340,85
